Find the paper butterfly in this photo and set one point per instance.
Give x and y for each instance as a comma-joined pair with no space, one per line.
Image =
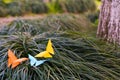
49,51
13,61
34,61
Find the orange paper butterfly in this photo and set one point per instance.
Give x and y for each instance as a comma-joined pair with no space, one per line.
13,61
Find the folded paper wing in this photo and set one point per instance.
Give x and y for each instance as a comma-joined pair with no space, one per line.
49,47
18,61
35,62
49,51
44,54
12,59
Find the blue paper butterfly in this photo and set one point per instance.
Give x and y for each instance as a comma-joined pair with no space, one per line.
34,61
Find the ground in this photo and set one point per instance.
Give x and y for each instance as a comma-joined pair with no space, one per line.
6,20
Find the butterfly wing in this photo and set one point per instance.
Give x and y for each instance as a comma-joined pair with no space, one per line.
49,47
44,54
32,60
40,62
18,61
11,57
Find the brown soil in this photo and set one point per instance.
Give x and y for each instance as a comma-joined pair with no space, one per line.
6,20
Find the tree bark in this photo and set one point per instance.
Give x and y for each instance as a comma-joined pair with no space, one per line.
109,21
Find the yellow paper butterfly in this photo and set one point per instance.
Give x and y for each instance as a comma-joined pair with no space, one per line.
49,51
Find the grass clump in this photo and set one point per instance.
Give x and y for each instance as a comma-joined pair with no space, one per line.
74,59
18,8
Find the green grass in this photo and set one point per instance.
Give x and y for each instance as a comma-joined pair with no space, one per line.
19,8
76,56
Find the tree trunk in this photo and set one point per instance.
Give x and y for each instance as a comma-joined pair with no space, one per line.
109,21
